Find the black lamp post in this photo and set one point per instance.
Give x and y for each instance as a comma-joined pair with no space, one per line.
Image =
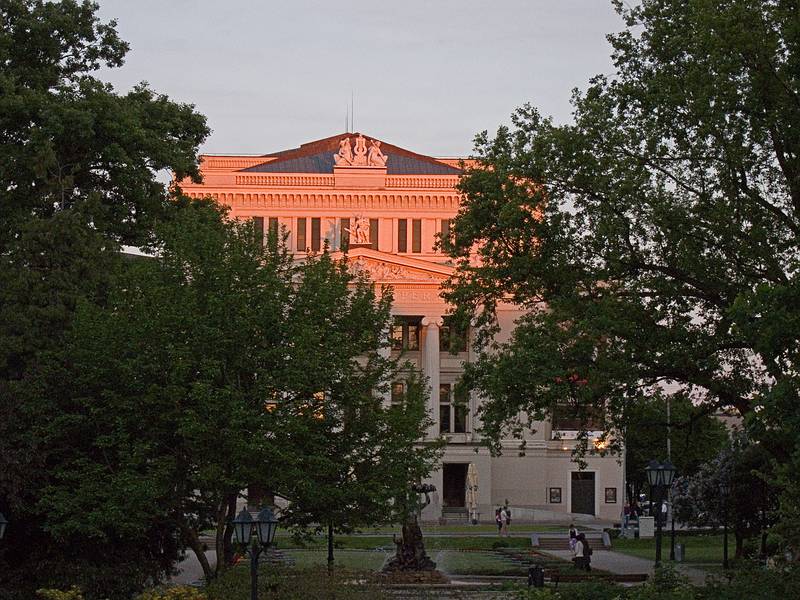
724,490
3,525
255,536
660,477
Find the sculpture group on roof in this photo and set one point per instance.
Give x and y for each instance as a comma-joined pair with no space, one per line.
360,157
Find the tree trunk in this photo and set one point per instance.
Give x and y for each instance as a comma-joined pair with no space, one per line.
193,540
739,544
227,537
223,536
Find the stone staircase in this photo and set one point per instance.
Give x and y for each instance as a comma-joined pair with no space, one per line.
560,541
455,515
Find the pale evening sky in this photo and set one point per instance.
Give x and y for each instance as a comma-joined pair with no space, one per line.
426,74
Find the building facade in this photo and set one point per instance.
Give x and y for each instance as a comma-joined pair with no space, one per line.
383,206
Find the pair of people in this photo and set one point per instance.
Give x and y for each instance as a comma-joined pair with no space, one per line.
581,550
502,517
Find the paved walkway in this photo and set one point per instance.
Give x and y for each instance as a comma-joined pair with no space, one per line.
189,569
624,564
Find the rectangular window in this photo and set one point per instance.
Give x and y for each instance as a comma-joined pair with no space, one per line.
405,333
452,338
416,235
344,228
555,495
398,392
453,410
301,234
570,417
272,236
444,418
460,412
315,234
445,229
259,229
402,235
611,495
373,233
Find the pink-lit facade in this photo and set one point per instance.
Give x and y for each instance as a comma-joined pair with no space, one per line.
330,192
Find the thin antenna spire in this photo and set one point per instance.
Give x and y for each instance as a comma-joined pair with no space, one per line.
352,111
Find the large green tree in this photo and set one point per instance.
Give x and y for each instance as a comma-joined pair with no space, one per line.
659,227
79,168
219,364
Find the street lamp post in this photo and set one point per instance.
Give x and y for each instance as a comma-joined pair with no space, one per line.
255,536
724,490
660,477
672,530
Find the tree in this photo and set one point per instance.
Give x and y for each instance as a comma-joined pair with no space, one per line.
659,227
220,364
695,437
750,506
78,176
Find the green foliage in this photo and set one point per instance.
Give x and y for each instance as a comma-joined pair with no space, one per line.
79,168
74,593
173,593
209,366
659,227
696,439
751,504
298,584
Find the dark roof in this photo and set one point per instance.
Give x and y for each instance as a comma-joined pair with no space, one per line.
317,157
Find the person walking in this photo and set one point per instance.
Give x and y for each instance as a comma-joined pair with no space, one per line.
499,521
504,519
585,552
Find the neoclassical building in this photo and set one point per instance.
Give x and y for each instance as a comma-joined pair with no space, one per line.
383,206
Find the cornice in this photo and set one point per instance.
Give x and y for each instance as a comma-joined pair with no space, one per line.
329,199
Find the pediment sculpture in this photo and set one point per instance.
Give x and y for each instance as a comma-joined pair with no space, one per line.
360,156
383,271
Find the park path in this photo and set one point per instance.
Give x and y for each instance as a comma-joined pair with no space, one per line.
624,564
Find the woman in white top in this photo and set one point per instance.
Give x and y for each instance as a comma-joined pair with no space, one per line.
504,522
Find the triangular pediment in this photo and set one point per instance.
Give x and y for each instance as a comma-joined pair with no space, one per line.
382,267
318,157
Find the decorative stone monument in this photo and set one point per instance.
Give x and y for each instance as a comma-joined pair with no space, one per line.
410,556
359,233
359,166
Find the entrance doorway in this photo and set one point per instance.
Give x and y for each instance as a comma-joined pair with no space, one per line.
583,493
454,482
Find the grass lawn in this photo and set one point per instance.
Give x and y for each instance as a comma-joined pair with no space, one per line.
475,563
362,560
482,528
364,542
699,548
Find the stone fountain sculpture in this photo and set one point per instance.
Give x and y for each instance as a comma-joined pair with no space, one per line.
410,554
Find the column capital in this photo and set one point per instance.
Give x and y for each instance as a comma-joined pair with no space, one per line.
428,321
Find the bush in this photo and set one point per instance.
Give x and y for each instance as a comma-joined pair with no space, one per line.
173,593
73,593
500,544
754,583
298,584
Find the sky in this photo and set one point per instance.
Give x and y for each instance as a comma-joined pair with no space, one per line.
427,75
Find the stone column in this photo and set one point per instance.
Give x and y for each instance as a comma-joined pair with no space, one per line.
431,369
